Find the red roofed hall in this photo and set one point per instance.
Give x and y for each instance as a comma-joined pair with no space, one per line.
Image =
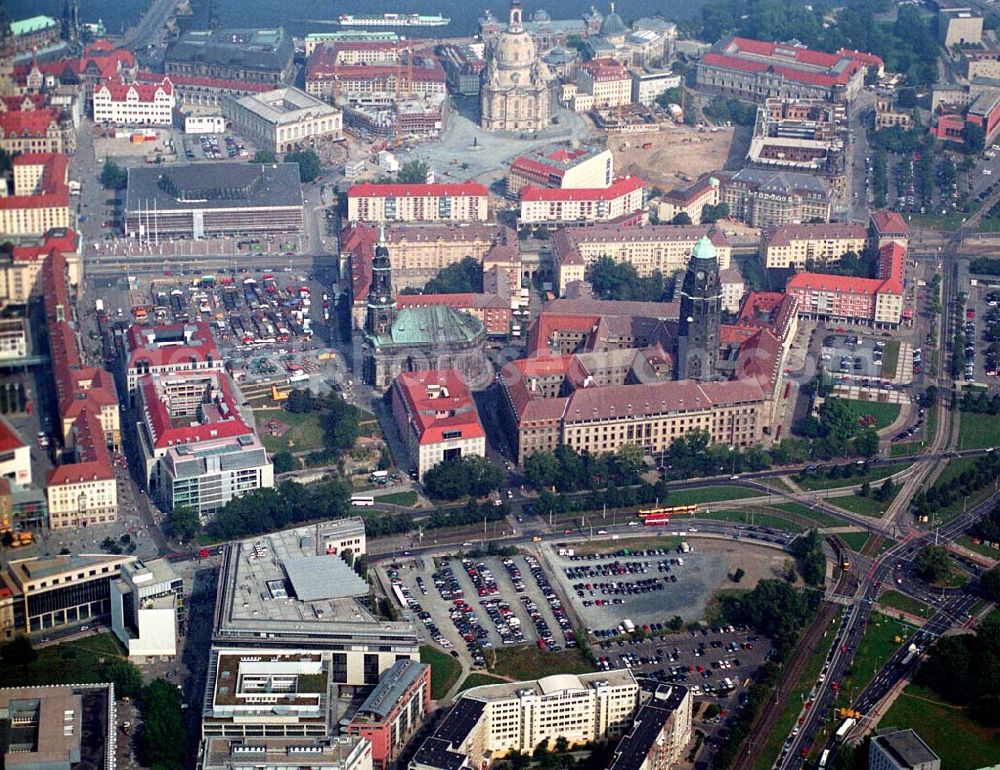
437,418
33,130
134,104
757,70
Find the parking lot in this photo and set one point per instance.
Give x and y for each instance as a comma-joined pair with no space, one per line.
857,359
645,585
215,147
477,603
982,344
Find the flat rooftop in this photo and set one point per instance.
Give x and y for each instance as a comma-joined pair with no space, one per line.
223,185
906,747
256,599
286,105
552,685
329,753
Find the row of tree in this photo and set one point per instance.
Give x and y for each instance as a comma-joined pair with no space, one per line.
980,402
621,281
460,278
950,491
568,469
287,504
808,550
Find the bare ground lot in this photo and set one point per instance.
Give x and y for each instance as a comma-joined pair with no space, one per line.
706,569
677,152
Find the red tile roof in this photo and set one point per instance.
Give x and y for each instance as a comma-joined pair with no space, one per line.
432,412
95,461
605,68
200,348
55,191
889,223
64,241
28,123
891,265
222,421
793,62
144,92
9,440
371,190
620,187
868,59
837,284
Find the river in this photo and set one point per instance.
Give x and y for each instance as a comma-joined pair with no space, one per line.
303,16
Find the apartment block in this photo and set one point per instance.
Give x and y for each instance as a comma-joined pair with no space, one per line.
543,205
394,710
39,201
561,167
462,202
793,246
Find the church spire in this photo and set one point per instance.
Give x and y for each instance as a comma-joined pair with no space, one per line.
516,22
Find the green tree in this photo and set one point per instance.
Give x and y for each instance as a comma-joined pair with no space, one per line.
460,278
974,138
932,564
309,164
681,218
413,172
183,522
463,476
991,584
866,489
739,575
541,469
124,675
113,176
162,741
265,156
676,623
712,710
284,462
19,652
710,213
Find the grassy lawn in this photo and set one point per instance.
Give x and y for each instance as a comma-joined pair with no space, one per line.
822,518
776,482
602,546
478,680
710,495
529,662
961,743
866,506
304,434
819,481
884,414
890,358
899,601
978,431
855,540
751,518
906,449
398,498
948,223
966,542
78,661
445,670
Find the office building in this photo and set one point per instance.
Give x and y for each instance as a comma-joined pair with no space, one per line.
203,200
147,608
15,456
659,733
21,269
84,491
690,200
959,27
649,84
605,81
544,205
284,120
463,65
901,750
561,167
766,198
39,200
374,74
799,246
13,339
756,70
250,55
448,202
35,130
198,449
394,710
491,721
436,418
663,248
875,301
50,592
887,226
135,104
332,753
59,727
290,591
169,349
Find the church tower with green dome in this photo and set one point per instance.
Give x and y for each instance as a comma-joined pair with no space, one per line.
701,315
